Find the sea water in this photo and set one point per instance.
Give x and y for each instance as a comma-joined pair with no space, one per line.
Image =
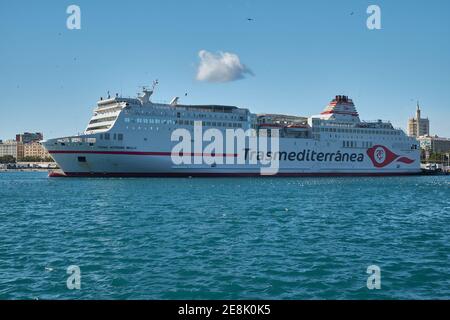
227,238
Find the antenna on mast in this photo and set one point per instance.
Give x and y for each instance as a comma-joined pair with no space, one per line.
145,88
155,83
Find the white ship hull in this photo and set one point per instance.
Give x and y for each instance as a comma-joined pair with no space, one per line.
159,163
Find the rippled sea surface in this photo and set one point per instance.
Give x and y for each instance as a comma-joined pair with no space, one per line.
260,238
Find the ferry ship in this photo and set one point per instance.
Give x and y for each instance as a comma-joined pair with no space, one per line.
132,137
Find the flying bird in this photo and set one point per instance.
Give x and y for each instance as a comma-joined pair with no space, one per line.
250,19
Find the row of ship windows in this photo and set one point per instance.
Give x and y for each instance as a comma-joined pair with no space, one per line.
119,137
182,122
349,125
354,144
111,136
329,123
192,115
103,119
147,128
356,137
359,131
366,144
98,128
143,128
107,111
210,116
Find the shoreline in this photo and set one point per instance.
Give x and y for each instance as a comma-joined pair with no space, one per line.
24,170
423,173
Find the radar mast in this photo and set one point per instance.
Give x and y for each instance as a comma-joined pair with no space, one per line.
147,93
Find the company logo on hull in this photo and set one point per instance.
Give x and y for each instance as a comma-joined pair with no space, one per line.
382,156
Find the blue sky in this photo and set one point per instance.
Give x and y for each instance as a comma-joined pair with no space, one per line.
302,53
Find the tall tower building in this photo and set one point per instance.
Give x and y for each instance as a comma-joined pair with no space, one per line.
418,126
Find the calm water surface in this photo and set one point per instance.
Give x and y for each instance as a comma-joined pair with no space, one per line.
263,238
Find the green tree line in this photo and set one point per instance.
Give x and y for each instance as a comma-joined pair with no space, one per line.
7,159
11,159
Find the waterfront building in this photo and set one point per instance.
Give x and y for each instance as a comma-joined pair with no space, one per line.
434,144
35,149
418,126
12,148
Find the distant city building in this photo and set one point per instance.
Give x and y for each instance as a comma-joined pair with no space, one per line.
25,145
418,126
35,149
434,144
28,137
12,148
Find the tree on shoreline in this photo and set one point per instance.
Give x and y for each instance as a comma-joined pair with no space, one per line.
7,159
36,159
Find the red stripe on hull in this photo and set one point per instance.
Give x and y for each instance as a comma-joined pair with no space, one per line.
219,175
139,153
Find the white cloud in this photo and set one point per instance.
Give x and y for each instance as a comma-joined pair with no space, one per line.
220,67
